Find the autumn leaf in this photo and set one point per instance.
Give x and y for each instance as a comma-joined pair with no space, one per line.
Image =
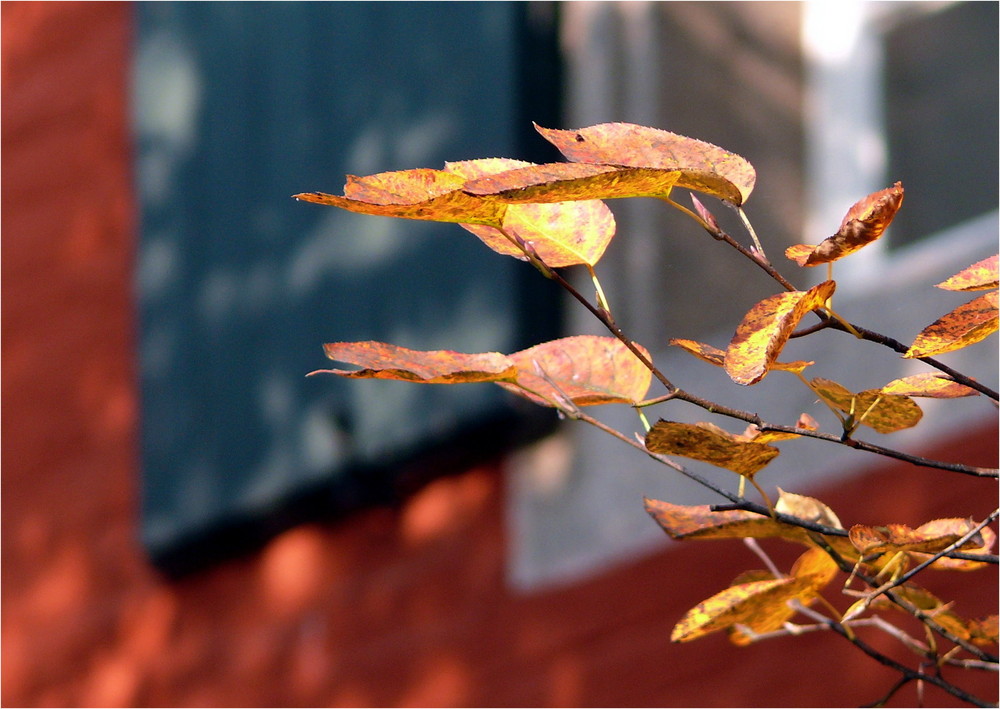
703,167
379,360
982,631
979,276
765,329
710,444
945,563
684,522
881,412
432,195
864,222
928,538
963,326
586,369
564,182
717,357
562,234
928,384
759,606
808,508
753,432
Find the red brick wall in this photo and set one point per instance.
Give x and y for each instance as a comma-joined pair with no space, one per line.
391,607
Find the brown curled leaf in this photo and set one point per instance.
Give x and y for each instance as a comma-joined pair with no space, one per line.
379,360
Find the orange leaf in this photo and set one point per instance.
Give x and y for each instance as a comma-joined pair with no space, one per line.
814,569
562,234
704,167
710,444
753,433
707,353
928,538
760,606
586,369
383,361
864,222
989,538
563,182
979,276
882,412
929,384
963,326
765,329
982,631
432,195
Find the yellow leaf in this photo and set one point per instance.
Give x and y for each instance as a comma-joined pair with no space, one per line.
704,167
764,331
982,275
963,326
709,443
586,369
431,195
562,233
567,181
881,412
928,384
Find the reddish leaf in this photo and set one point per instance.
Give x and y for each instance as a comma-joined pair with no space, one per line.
564,182
963,326
979,276
765,329
704,167
710,444
562,234
753,433
929,384
890,413
586,369
927,538
379,360
865,222
433,195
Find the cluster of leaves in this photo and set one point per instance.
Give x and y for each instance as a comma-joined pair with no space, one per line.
553,216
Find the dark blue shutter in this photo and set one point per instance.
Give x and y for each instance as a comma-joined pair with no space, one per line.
237,107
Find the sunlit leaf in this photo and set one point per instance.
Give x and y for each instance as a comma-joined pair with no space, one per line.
706,353
963,326
759,606
929,384
432,195
881,412
805,507
704,167
864,222
379,360
568,181
979,276
585,369
710,444
764,331
984,631
562,233
928,538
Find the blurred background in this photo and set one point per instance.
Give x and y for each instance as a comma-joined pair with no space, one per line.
189,520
